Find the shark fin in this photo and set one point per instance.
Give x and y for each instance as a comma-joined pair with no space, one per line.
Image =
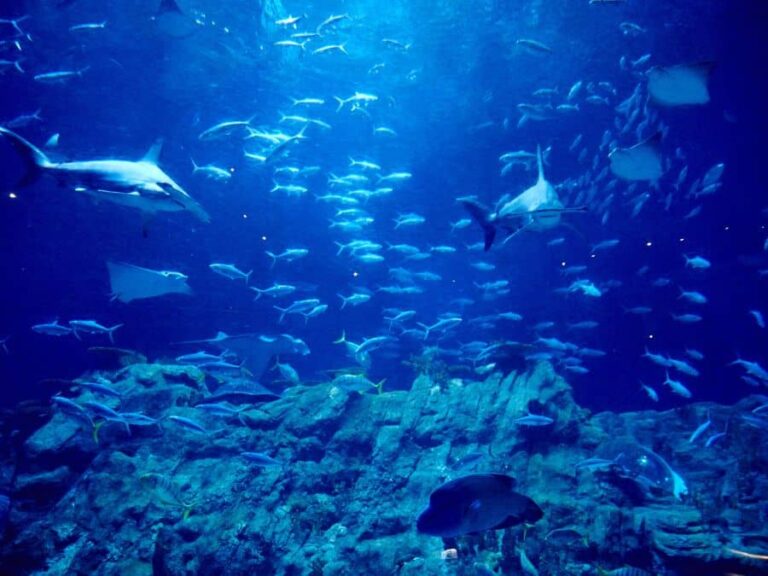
153,154
169,6
540,164
34,159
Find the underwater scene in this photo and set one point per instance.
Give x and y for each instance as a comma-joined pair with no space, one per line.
386,287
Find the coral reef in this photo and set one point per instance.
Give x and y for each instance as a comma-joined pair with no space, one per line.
356,470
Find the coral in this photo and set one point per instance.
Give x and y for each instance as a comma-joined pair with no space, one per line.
358,469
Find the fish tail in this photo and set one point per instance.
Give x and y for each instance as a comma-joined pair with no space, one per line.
341,102
274,258
258,293
248,277
35,161
111,332
482,216
96,427
343,338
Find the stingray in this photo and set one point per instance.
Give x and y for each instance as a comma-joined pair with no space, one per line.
537,208
172,22
640,162
680,85
255,350
131,282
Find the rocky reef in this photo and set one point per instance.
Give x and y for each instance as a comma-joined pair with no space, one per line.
355,471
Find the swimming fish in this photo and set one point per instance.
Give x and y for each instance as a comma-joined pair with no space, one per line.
537,208
476,503
135,184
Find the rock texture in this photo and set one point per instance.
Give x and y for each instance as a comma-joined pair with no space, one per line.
358,469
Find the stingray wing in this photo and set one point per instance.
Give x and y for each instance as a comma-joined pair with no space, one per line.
640,162
130,282
681,85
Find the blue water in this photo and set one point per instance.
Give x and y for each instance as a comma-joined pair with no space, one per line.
451,97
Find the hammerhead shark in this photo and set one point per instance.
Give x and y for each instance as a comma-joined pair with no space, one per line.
136,184
537,208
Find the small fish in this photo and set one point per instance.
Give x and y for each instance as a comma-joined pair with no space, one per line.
697,262
89,26
331,48
230,271
99,388
533,46
534,420
605,245
330,21
687,318
52,329
701,429
274,291
652,394
758,316
287,255
261,459
60,76
695,354
92,327
211,171
188,423
692,296
677,387
717,436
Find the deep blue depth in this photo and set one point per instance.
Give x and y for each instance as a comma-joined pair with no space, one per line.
461,73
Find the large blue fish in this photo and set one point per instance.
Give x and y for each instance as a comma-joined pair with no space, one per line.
476,503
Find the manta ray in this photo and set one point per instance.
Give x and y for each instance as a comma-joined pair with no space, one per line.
537,208
130,282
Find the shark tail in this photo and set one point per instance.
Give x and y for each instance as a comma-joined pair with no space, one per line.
341,103
111,332
35,161
481,215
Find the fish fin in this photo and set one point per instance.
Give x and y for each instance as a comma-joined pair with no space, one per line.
540,163
96,427
111,332
34,159
167,6
482,216
153,154
704,68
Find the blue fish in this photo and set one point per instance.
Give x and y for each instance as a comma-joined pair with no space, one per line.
476,503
